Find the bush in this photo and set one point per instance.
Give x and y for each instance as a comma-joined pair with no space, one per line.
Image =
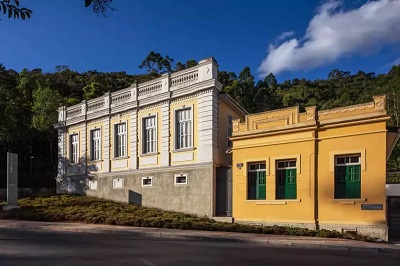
76,208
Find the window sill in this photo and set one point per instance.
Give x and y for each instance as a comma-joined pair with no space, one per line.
347,201
120,158
273,202
185,149
74,164
96,161
149,154
147,186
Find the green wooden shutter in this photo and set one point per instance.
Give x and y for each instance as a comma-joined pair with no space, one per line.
280,184
252,185
353,182
261,187
290,184
340,182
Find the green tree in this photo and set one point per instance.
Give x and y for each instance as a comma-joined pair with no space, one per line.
156,63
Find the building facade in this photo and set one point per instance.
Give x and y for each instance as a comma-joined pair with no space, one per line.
161,143
317,169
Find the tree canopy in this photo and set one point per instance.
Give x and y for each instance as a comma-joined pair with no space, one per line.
29,100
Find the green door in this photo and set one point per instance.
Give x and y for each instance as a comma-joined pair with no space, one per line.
340,182
280,184
353,182
252,185
261,186
290,184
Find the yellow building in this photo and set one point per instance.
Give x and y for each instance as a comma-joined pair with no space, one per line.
324,169
161,143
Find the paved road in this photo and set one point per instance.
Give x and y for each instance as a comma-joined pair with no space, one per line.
21,247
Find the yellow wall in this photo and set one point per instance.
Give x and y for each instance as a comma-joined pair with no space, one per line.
72,131
222,145
272,210
119,164
143,113
94,166
368,140
173,107
314,139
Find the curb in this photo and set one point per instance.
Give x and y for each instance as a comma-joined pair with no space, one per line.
168,235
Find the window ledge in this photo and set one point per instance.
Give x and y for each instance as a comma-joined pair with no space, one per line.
149,154
147,186
96,161
273,202
120,158
74,164
347,201
183,150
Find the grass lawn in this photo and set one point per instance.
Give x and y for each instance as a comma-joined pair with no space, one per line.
75,208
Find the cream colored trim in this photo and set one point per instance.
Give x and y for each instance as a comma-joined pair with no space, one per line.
353,134
347,201
255,160
276,202
332,155
236,147
173,125
286,157
151,113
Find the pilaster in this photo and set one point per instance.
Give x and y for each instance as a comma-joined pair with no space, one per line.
133,139
165,128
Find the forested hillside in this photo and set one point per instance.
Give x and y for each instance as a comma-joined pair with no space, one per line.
29,99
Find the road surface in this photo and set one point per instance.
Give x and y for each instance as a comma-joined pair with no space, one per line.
21,247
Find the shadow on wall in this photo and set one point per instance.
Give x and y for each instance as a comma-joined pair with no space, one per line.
75,180
135,198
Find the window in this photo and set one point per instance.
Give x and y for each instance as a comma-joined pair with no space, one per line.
147,181
183,128
229,130
120,140
95,144
149,134
348,177
286,186
92,184
181,179
74,148
256,181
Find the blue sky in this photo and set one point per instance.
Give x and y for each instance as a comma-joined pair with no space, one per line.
237,33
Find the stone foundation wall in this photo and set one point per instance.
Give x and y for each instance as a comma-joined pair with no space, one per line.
379,231
195,198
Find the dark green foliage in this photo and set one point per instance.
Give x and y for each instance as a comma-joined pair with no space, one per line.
11,9
74,208
341,88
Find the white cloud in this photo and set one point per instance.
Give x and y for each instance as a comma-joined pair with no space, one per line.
284,35
333,33
396,62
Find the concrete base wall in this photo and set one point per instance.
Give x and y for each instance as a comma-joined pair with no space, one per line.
195,198
379,231
310,226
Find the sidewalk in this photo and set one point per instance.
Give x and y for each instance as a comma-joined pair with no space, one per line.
273,240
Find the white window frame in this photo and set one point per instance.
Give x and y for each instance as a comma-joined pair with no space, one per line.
229,130
286,164
92,184
120,150
178,144
74,148
147,178
117,180
93,140
181,175
149,146
347,158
